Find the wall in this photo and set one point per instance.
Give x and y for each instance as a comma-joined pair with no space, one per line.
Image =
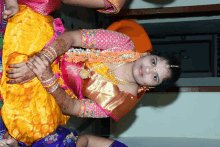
190,115
138,4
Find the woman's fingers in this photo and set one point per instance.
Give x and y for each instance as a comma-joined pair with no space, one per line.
13,81
13,71
14,76
23,79
17,65
36,63
44,59
31,66
40,62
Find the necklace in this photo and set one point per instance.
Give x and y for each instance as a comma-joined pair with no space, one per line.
84,73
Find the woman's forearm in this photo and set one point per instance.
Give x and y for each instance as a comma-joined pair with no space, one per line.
67,105
86,3
66,40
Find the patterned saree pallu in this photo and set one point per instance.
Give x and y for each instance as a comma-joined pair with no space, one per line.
29,112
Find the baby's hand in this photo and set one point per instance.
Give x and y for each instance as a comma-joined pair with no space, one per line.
8,142
11,9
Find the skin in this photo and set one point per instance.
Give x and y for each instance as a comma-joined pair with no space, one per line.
8,141
97,4
11,8
21,73
150,70
93,141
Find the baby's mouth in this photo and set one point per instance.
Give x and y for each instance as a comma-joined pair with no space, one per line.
140,71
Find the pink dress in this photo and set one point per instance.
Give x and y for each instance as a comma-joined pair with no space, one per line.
93,106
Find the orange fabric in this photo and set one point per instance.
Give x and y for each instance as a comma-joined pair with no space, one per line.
103,89
136,32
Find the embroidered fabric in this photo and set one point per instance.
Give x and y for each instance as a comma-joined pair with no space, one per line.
90,109
106,39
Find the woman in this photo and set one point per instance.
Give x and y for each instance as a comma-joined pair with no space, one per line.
111,92
27,32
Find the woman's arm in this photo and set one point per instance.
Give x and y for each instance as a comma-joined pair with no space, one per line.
86,3
41,67
96,38
66,40
82,108
67,105
104,6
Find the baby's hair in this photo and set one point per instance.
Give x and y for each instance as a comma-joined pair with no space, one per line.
175,71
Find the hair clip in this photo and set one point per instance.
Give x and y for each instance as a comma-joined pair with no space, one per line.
168,66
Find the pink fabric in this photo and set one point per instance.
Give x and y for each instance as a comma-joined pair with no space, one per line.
70,74
107,5
42,6
105,39
90,109
111,6
58,28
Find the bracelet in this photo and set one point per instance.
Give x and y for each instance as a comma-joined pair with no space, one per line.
53,88
51,84
53,51
51,60
50,53
45,83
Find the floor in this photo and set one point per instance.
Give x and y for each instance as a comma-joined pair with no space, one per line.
168,142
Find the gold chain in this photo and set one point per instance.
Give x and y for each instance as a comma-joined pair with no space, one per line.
87,73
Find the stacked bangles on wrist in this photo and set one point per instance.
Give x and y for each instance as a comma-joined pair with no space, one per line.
50,53
51,84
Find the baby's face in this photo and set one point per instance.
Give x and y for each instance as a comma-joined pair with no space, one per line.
150,70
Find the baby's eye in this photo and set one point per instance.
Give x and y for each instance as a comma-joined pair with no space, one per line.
153,61
155,77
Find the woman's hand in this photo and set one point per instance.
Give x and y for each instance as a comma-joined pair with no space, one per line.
41,67
11,8
20,73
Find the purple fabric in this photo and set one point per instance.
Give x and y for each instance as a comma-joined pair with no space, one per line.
117,144
62,137
2,128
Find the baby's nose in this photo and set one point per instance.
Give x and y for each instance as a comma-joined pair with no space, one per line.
150,70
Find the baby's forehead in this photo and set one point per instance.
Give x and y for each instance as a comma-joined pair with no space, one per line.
165,66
